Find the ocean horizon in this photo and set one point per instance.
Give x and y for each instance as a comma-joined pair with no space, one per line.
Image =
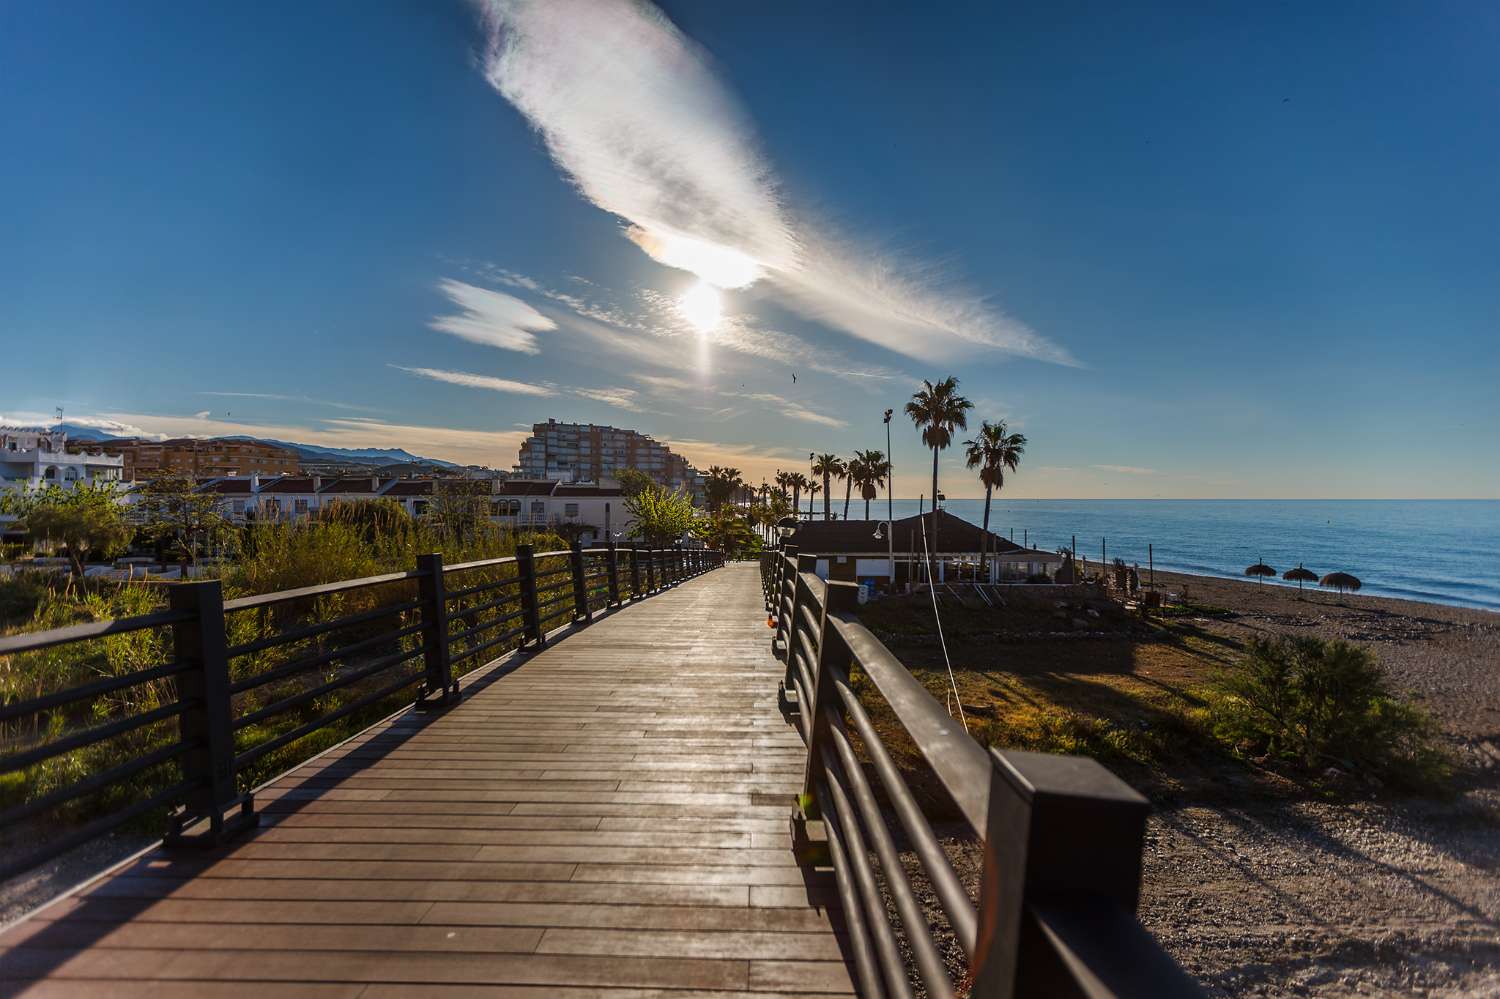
1440,551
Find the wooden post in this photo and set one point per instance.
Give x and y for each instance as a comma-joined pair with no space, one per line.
1064,835
581,610
635,570
1151,562
438,687
614,574
526,573
650,569
207,724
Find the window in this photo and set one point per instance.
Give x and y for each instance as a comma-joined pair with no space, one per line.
239,507
300,506
538,506
570,509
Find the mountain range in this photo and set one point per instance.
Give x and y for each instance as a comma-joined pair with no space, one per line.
307,452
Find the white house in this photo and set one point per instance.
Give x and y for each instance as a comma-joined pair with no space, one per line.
31,458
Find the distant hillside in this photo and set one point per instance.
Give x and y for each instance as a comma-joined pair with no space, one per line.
359,456
307,452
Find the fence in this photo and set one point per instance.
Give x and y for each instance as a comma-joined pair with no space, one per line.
231,686
1062,836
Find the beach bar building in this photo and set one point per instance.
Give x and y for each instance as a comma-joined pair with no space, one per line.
858,551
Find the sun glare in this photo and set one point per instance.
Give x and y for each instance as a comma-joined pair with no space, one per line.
702,306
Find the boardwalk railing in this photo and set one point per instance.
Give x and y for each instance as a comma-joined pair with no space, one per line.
198,702
1062,836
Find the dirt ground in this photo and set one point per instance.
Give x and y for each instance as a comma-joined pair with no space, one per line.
1256,884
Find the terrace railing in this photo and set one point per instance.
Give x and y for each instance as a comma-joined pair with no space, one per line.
197,703
1062,837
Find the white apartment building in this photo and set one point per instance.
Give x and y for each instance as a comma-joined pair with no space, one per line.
31,458
587,452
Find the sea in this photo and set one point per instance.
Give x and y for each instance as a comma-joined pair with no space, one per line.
1441,551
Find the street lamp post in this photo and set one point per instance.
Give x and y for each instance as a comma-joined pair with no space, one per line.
890,516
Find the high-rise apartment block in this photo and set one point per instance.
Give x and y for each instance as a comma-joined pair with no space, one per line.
585,452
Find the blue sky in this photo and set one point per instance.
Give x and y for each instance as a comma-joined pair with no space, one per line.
1189,250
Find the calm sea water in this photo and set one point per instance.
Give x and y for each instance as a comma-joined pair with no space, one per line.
1445,551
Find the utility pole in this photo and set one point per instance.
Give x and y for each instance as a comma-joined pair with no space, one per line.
890,506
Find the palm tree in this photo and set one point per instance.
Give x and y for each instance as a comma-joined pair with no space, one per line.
798,483
992,452
848,478
938,410
829,466
873,468
784,483
812,490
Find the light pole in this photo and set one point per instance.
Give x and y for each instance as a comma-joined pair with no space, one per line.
890,516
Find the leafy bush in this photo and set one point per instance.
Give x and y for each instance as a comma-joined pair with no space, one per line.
1314,704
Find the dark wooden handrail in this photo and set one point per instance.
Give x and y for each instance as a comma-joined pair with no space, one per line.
422,632
1063,837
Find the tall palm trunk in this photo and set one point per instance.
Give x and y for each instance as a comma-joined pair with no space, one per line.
984,539
848,492
934,531
867,510
827,496
796,499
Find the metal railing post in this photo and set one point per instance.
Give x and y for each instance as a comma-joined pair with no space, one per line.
635,570
614,574
526,573
786,590
1063,851
435,652
207,724
650,570
581,610
838,597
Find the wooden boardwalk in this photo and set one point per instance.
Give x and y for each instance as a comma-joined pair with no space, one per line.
607,818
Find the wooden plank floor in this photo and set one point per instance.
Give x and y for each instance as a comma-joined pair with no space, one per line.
609,819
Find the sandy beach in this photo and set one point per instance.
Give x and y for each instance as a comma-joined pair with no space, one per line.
1259,884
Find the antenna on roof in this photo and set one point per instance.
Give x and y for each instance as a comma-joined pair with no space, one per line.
59,414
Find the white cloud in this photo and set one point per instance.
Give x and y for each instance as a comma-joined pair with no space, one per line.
632,113
622,398
278,397
469,380
492,318
1127,469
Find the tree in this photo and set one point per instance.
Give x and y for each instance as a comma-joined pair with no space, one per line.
660,516
829,466
633,481
812,490
458,508
171,511
869,470
728,532
938,410
798,483
992,452
848,478
720,486
86,518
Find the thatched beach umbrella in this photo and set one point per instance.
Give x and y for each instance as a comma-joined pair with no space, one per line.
1340,581
1259,569
1301,575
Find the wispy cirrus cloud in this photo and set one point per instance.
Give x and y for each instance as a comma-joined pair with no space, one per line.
620,398
492,318
471,380
279,397
632,113
790,408
1127,469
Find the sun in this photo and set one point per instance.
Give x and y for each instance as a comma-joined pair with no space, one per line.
702,306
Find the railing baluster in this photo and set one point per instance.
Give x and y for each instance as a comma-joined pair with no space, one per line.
526,573
614,574
436,654
650,570
581,610
635,571
206,725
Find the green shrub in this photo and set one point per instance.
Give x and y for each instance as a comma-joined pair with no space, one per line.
1313,704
